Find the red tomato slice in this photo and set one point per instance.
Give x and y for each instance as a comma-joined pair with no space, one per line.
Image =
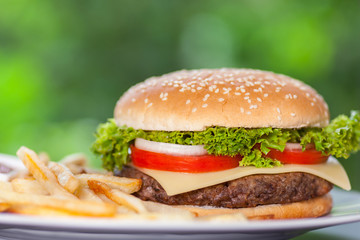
297,156
188,164
211,163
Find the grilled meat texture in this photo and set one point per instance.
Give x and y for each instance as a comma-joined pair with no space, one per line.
250,191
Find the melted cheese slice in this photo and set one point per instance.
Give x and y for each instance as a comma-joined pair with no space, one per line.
176,182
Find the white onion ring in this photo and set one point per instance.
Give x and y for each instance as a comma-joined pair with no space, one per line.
297,146
170,148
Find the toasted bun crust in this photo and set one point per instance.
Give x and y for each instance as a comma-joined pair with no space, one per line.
196,99
315,207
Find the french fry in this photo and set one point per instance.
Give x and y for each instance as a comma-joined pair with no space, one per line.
71,206
78,159
64,176
85,193
42,173
5,186
44,157
4,206
160,208
22,185
127,185
117,196
76,162
124,210
38,211
56,189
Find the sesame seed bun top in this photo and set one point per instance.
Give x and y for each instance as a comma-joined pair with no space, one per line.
191,100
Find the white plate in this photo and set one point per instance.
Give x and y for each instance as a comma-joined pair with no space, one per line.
346,210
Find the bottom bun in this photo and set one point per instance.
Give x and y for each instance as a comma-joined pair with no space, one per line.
315,207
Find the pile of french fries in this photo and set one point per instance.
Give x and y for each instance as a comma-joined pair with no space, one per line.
70,188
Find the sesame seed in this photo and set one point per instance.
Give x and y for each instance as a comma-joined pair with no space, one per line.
265,95
199,88
217,90
253,106
193,90
237,93
221,99
133,100
295,96
307,94
188,101
312,104
150,104
248,113
242,110
278,110
259,99
204,105
226,90
194,110
146,100
246,98
206,97
242,90
279,118
293,114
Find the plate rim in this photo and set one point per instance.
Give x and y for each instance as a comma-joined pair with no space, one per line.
108,225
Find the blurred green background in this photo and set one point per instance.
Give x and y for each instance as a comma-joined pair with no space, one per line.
63,64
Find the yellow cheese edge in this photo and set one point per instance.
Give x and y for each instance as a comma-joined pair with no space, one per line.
176,182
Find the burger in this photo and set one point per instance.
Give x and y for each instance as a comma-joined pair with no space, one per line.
220,141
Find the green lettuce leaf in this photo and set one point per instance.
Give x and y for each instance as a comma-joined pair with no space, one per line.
340,138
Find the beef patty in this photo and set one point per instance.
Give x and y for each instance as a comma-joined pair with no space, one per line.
248,191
